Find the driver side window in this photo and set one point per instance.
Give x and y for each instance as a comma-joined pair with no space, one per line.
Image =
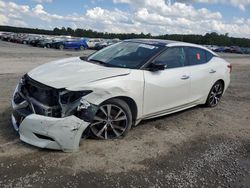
172,58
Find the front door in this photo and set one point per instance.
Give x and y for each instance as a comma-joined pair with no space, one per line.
170,88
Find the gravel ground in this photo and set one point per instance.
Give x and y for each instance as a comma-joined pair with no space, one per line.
199,147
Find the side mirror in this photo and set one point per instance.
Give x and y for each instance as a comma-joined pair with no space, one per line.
156,67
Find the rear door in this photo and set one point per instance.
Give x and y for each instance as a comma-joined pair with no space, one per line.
168,89
203,72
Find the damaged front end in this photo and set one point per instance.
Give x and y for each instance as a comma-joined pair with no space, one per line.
50,118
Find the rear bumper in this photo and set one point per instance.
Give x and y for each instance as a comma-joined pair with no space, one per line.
52,133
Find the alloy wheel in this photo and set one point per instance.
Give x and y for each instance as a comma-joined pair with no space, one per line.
61,47
109,122
215,94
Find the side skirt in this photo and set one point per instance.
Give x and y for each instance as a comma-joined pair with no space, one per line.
171,110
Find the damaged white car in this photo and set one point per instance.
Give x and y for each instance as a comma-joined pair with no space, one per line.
105,94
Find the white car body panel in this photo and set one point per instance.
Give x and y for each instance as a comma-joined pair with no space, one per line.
66,132
200,74
154,93
167,89
66,73
129,86
207,73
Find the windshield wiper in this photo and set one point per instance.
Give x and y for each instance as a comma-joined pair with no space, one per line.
103,63
97,61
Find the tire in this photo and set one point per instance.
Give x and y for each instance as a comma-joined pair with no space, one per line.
112,120
215,94
61,47
48,45
82,48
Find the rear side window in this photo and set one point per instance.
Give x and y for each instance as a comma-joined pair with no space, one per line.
209,56
196,56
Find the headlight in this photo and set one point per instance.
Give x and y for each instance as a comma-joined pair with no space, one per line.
71,96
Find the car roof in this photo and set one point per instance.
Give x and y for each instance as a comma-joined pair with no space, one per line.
168,43
159,42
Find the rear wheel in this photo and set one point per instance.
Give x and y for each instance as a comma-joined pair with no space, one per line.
61,47
215,94
82,48
112,120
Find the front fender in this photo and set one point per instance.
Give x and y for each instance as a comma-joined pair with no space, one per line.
131,86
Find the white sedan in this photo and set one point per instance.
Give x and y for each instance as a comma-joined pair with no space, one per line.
105,94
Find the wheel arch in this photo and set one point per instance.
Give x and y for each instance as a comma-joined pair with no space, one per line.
223,83
131,103
219,80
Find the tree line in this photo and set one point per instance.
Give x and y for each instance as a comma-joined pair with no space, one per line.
207,39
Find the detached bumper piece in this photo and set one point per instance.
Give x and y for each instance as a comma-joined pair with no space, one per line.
52,133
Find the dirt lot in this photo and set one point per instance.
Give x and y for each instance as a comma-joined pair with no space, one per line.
199,147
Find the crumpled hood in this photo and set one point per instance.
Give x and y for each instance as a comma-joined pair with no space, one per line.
73,71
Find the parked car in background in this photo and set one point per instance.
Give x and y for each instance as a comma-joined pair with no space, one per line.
7,36
2,35
19,38
45,43
211,47
237,49
14,37
246,50
72,43
233,49
36,40
93,42
29,38
55,41
106,43
220,49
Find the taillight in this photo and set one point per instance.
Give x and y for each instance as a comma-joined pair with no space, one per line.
230,67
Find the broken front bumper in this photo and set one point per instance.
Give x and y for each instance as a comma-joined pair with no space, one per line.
42,126
52,133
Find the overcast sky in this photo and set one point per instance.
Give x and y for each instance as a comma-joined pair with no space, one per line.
120,16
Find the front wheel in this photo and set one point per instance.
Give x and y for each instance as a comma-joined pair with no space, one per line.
215,94
112,120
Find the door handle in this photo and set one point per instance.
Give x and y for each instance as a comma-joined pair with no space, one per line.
185,77
212,71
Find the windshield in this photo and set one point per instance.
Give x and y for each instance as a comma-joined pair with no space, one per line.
125,54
